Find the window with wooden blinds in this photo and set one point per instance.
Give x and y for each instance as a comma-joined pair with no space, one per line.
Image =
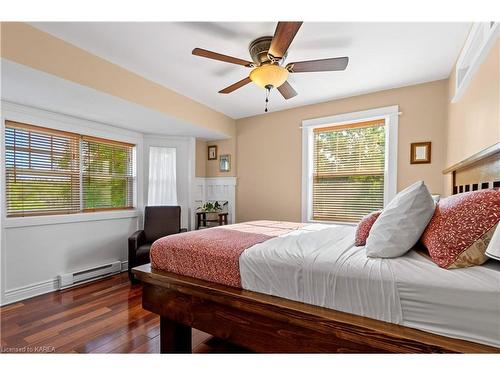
42,171
54,172
348,171
107,175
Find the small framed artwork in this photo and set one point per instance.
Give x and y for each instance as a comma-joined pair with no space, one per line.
420,153
212,152
225,163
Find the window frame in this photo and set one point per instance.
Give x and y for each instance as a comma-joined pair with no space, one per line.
391,116
79,140
73,173
61,122
86,138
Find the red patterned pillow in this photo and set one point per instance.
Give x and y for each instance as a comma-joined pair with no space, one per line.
459,232
364,227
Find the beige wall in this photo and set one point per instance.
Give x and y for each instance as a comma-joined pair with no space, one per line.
224,147
474,121
29,46
269,147
210,168
201,158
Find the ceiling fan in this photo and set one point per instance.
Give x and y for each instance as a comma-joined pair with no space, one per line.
268,57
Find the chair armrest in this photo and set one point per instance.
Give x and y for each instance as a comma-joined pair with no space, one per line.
183,230
136,240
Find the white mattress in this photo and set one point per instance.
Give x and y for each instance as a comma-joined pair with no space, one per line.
320,265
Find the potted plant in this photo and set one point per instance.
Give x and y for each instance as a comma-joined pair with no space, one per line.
214,206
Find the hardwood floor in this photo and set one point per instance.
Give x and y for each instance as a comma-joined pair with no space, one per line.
101,317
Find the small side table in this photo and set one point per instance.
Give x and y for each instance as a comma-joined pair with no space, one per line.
201,217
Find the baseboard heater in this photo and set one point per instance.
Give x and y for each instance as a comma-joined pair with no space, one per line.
68,280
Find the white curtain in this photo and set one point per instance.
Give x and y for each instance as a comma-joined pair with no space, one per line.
162,190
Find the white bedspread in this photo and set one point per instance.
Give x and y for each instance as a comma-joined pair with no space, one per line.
320,265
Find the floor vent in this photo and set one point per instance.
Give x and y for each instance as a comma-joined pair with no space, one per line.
79,277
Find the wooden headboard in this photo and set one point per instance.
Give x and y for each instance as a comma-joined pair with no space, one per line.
480,171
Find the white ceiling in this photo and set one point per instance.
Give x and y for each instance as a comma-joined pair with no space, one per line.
382,56
24,85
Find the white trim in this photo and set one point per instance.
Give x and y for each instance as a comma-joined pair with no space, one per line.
481,39
18,222
344,118
29,291
48,286
231,181
124,266
391,116
215,188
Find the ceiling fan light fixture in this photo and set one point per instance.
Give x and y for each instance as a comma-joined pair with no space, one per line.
267,53
269,75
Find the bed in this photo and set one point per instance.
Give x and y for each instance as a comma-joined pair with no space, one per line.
306,288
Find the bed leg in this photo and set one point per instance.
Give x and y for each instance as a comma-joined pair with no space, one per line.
174,337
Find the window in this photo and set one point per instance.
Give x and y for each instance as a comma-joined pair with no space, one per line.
106,174
481,39
54,172
349,164
42,170
348,171
162,186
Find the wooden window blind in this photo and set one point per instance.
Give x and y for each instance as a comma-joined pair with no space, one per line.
348,171
54,172
106,174
42,168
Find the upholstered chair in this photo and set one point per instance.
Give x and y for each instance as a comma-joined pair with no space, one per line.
159,221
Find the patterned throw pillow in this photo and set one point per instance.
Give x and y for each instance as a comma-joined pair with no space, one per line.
461,228
364,227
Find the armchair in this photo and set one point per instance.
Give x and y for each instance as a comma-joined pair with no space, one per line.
159,221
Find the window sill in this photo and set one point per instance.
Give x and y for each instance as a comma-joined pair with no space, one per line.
17,222
348,223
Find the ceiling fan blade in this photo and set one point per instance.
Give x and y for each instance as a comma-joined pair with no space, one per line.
287,90
283,36
218,56
323,65
235,86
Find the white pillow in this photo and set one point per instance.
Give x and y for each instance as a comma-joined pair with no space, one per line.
493,249
401,223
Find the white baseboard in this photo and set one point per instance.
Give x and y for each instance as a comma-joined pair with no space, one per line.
28,291
124,265
37,289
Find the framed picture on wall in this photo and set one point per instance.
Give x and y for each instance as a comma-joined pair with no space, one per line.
225,163
212,152
420,153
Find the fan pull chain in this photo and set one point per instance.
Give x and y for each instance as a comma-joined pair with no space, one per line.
268,90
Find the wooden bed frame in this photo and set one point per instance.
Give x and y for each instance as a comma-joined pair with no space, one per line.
269,324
